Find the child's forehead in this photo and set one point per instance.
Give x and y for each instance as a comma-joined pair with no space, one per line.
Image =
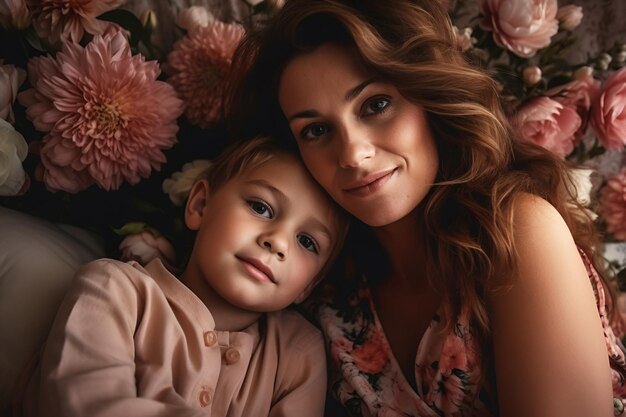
286,175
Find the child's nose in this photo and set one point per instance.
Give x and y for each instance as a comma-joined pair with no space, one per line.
275,243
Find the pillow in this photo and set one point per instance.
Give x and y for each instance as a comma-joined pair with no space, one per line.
38,260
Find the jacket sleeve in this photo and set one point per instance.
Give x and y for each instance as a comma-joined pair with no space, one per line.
88,365
301,381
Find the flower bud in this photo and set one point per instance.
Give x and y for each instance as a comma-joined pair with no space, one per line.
149,20
620,57
194,17
583,72
603,61
531,75
569,16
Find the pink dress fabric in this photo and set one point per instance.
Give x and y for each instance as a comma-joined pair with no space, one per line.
449,373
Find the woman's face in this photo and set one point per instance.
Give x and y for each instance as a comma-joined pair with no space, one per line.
370,148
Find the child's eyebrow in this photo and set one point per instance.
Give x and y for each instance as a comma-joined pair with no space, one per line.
279,195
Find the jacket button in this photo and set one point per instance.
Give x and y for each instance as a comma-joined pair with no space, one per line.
231,356
210,338
204,398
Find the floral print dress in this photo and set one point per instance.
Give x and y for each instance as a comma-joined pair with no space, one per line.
450,375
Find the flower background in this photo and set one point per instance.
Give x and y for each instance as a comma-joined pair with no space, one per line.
108,109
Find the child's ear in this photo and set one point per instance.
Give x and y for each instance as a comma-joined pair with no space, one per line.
198,198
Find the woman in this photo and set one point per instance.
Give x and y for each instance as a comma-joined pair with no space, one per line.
469,282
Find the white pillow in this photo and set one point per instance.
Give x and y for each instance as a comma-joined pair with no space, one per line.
38,260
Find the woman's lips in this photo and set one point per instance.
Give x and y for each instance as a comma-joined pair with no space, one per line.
257,269
370,184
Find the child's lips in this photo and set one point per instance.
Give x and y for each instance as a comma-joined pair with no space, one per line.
257,269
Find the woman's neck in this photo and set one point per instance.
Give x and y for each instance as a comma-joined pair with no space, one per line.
404,243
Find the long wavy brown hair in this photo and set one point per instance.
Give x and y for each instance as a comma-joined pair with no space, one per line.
468,214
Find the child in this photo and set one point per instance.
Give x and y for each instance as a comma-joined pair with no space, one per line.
130,340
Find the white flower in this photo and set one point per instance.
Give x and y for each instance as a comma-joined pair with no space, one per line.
581,178
194,17
179,185
13,150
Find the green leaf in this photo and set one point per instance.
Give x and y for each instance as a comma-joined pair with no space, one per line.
130,228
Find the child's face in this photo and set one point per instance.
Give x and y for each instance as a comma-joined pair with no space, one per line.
265,235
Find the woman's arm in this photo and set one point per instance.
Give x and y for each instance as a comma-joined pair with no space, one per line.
550,354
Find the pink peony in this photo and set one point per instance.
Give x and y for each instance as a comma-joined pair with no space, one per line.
106,116
577,94
11,77
197,67
14,14
68,20
608,112
521,26
549,124
613,205
145,246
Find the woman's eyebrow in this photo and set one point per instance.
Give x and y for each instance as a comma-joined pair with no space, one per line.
350,95
355,91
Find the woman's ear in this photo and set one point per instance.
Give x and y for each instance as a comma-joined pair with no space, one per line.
197,200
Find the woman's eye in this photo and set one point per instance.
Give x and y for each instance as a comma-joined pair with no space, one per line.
313,131
376,105
308,243
261,208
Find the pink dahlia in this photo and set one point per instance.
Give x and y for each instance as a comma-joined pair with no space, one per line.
613,205
106,117
197,67
69,19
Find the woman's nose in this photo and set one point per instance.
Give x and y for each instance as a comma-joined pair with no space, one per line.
274,242
355,148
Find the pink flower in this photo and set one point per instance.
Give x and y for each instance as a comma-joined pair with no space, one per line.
11,77
145,246
613,205
198,65
549,124
521,26
577,94
14,14
569,16
69,19
373,355
106,116
608,112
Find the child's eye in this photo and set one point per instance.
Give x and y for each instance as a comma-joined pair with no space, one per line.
313,131
261,208
376,105
308,243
